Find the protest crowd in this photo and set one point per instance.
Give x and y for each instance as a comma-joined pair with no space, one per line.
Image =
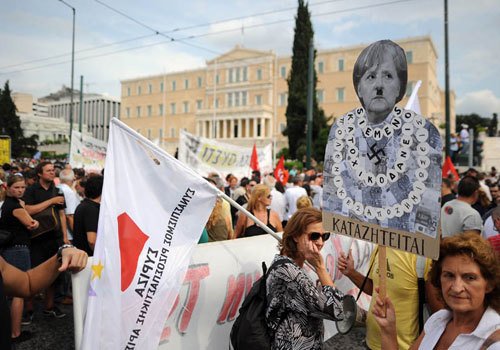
469,204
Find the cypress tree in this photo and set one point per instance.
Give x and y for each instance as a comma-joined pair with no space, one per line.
296,110
10,124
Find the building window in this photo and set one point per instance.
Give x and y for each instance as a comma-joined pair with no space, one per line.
150,111
259,130
161,86
139,90
217,79
200,81
320,95
282,127
243,98
149,134
409,57
172,132
150,88
127,112
138,111
258,100
283,99
230,99
321,67
237,74
259,74
160,135
216,103
409,88
341,65
185,107
128,91
245,74
139,131
340,94
230,75
186,84
174,85
199,104
160,109
172,108
283,72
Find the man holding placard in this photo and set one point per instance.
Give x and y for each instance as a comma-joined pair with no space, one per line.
382,182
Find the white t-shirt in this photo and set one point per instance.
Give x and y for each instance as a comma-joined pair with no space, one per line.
278,203
436,324
458,216
71,201
464,135
291,196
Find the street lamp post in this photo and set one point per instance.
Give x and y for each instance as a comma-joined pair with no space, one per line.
72,72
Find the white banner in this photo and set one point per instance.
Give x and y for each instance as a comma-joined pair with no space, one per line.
207,155
87,152
153,211
214,288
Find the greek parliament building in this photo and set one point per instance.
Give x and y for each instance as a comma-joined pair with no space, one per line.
240,97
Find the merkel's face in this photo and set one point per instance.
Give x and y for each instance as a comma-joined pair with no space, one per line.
462,284
379,89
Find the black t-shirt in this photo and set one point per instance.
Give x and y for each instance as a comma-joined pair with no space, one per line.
5,332
36,194
85,220
10,223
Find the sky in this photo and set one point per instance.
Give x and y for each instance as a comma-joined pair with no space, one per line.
118,40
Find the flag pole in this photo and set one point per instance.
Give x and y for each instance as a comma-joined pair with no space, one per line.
257,221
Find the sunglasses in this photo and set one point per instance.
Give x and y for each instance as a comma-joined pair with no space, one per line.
269,196
314,236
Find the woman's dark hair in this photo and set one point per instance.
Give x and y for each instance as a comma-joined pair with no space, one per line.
297,226
472,245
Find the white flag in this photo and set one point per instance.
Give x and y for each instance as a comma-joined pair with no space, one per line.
413,103
153,211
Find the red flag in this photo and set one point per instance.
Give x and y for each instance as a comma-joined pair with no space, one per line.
254,160
280,173
449,168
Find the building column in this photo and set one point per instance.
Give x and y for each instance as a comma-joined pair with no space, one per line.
223,122
255,127
247,127
231,129
263,128
240,128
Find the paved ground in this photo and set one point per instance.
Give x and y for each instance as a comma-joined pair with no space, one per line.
58,334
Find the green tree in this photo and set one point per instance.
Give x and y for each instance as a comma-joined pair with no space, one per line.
10,124
296,110
492,128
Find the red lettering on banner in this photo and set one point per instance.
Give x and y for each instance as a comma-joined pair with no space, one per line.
234,295
193,277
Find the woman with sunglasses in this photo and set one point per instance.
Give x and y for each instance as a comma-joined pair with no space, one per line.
258,205
295,306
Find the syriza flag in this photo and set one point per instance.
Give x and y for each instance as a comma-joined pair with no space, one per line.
153,211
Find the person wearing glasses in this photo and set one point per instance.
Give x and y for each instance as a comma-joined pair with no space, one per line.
295,306
258,204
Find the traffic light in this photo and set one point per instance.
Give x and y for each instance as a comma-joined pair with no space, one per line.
478,151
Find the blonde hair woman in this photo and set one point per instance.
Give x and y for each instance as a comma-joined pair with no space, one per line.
258,204
304,202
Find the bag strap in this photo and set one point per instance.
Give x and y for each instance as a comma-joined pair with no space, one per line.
492,339
367,274
420,269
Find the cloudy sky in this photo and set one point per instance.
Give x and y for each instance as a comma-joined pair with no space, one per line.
116,40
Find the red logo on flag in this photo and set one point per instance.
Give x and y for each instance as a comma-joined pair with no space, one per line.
280,173
132,241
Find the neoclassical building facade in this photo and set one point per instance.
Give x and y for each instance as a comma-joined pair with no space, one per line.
240,97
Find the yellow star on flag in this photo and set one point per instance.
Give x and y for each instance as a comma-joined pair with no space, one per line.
97,270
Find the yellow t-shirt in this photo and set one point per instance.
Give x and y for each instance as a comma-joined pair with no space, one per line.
402,289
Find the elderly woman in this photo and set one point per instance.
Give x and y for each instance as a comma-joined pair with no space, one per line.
258,205
467,275
296,307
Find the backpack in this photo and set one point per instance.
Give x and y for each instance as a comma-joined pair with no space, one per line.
249,331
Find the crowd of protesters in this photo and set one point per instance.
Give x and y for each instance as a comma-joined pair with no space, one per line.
469,204
45,206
